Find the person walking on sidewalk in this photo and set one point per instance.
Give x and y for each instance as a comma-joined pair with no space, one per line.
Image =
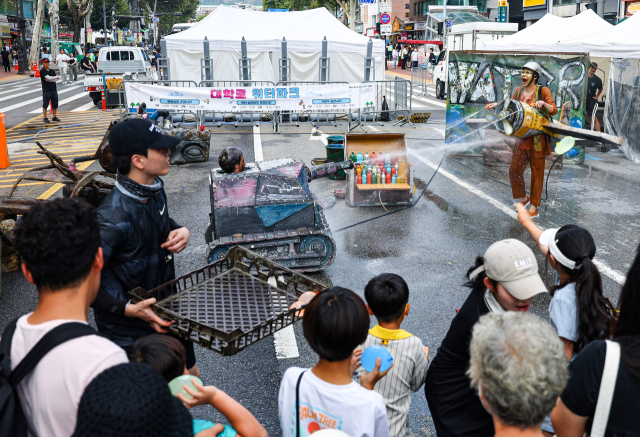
394,55
49,90
5,59
405,56
63,63
73,69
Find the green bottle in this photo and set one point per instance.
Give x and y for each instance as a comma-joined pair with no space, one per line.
352,157
374,178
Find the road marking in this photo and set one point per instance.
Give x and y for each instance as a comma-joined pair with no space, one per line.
84,107
62,102
15,89
257,145
430,102
37,99
33,90
53,190
604,269
285,339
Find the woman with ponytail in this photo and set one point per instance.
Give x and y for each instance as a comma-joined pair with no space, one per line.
505,279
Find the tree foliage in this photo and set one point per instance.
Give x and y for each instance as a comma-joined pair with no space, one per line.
186,7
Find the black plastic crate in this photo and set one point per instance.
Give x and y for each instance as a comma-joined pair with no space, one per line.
232,303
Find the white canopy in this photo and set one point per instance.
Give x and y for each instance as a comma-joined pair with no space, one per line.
553,34
619,41
263,31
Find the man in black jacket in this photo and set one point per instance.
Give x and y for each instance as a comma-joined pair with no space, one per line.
49,91
138,236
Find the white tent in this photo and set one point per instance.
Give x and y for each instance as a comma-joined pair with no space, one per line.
263,31
619,41
553,34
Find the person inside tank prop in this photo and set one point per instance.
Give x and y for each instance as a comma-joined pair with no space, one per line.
531,150
231,160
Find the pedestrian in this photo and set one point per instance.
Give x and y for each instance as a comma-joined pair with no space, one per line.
73,69
59,244
168,357
405,57
131,400
594,88
63,63
534,149
518,369
335,322
86,64
49,91
394,55
414,58
387,297
575,413
432,57
505,279
139,239
158,56
5,59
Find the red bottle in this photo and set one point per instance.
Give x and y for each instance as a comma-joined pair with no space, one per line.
393,170
359,178
388,178
369,177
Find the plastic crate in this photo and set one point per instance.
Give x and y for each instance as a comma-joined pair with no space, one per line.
232,303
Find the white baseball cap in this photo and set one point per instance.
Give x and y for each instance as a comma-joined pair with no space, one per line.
513,264
548,238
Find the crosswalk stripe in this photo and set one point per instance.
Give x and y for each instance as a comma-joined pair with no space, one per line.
84,107
62,102
37,99
429,102
15,89
32,90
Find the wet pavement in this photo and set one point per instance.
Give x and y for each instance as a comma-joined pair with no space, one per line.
431,245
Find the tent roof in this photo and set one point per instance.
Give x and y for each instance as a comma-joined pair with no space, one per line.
263,31
619,41
552,34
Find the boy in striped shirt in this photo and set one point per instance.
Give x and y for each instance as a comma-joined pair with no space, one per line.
387,297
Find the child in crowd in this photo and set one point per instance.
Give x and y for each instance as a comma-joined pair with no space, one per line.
335,323
578,311
387,297
168,357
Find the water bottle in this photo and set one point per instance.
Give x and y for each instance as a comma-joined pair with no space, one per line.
359,157
366,158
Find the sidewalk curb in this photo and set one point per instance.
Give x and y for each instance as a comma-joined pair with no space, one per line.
16,78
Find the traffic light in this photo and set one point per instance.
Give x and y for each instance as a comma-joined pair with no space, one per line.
378,28
441,28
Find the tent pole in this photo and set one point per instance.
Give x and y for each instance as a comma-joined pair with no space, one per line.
368,62
245,62
206,64
325,72
284,62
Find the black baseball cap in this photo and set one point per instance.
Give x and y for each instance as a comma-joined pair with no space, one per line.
135,135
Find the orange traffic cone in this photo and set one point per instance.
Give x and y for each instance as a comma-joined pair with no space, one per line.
16,64
4,153
35,67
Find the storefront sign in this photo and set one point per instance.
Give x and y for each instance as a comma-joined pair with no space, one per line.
306,97
403,35
530,3
632,8
408,27
421,25
385,6
396,25
6,31
385,29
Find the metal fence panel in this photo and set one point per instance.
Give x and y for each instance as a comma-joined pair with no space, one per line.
125,108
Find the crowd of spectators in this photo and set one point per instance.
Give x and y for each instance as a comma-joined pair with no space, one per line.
498,371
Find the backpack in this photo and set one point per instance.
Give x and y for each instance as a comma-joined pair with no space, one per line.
14,424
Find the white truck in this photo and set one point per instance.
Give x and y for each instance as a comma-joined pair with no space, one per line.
119,62
466,36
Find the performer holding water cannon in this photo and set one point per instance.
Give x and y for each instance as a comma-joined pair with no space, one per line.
534,149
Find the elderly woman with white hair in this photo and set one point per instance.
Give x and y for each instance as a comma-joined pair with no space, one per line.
519,368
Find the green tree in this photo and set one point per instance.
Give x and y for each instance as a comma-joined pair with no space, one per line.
186,7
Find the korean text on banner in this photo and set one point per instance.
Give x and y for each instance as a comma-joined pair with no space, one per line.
304,97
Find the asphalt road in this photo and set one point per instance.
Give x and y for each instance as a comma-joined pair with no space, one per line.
430,245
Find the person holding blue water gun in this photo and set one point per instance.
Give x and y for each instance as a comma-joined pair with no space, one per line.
168,357
387,297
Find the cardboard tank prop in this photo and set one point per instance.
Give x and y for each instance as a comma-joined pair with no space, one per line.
194,144
269,209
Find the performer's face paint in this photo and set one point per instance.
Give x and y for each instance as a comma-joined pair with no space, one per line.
527,76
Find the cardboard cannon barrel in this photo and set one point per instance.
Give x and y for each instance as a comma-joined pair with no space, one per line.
521,120
269,209
325,170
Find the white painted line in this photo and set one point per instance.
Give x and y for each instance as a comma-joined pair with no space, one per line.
440,131
37,99
84,107
32,90
604,269
15,89
257,145
285,339
430,102
62,102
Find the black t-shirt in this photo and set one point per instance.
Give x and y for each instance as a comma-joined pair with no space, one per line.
47,86
453,403
581,394
72,60
86,63
593,85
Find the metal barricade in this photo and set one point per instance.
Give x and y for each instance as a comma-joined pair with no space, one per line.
421,78
318,117
178,116
226,88
398,96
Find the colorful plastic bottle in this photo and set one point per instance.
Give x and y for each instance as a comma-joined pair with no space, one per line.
368,177
353,158
359,178
387,159
366,158
388,178
374,158
358,169
359,157
393,180
393,171
397,166
374,178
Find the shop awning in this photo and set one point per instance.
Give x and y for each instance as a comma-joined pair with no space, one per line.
419,42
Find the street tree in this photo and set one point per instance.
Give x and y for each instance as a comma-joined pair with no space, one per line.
79,9
54,20
34,54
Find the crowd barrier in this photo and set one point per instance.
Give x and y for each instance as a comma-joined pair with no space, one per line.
397,94
422,78
237,118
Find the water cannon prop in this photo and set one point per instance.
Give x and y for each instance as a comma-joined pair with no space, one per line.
518,119
564,145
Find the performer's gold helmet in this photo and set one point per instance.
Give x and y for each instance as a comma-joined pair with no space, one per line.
528,71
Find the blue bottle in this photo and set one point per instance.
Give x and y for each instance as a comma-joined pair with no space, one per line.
359,157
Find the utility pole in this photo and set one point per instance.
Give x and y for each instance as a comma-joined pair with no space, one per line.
22,42
104,24
444,13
